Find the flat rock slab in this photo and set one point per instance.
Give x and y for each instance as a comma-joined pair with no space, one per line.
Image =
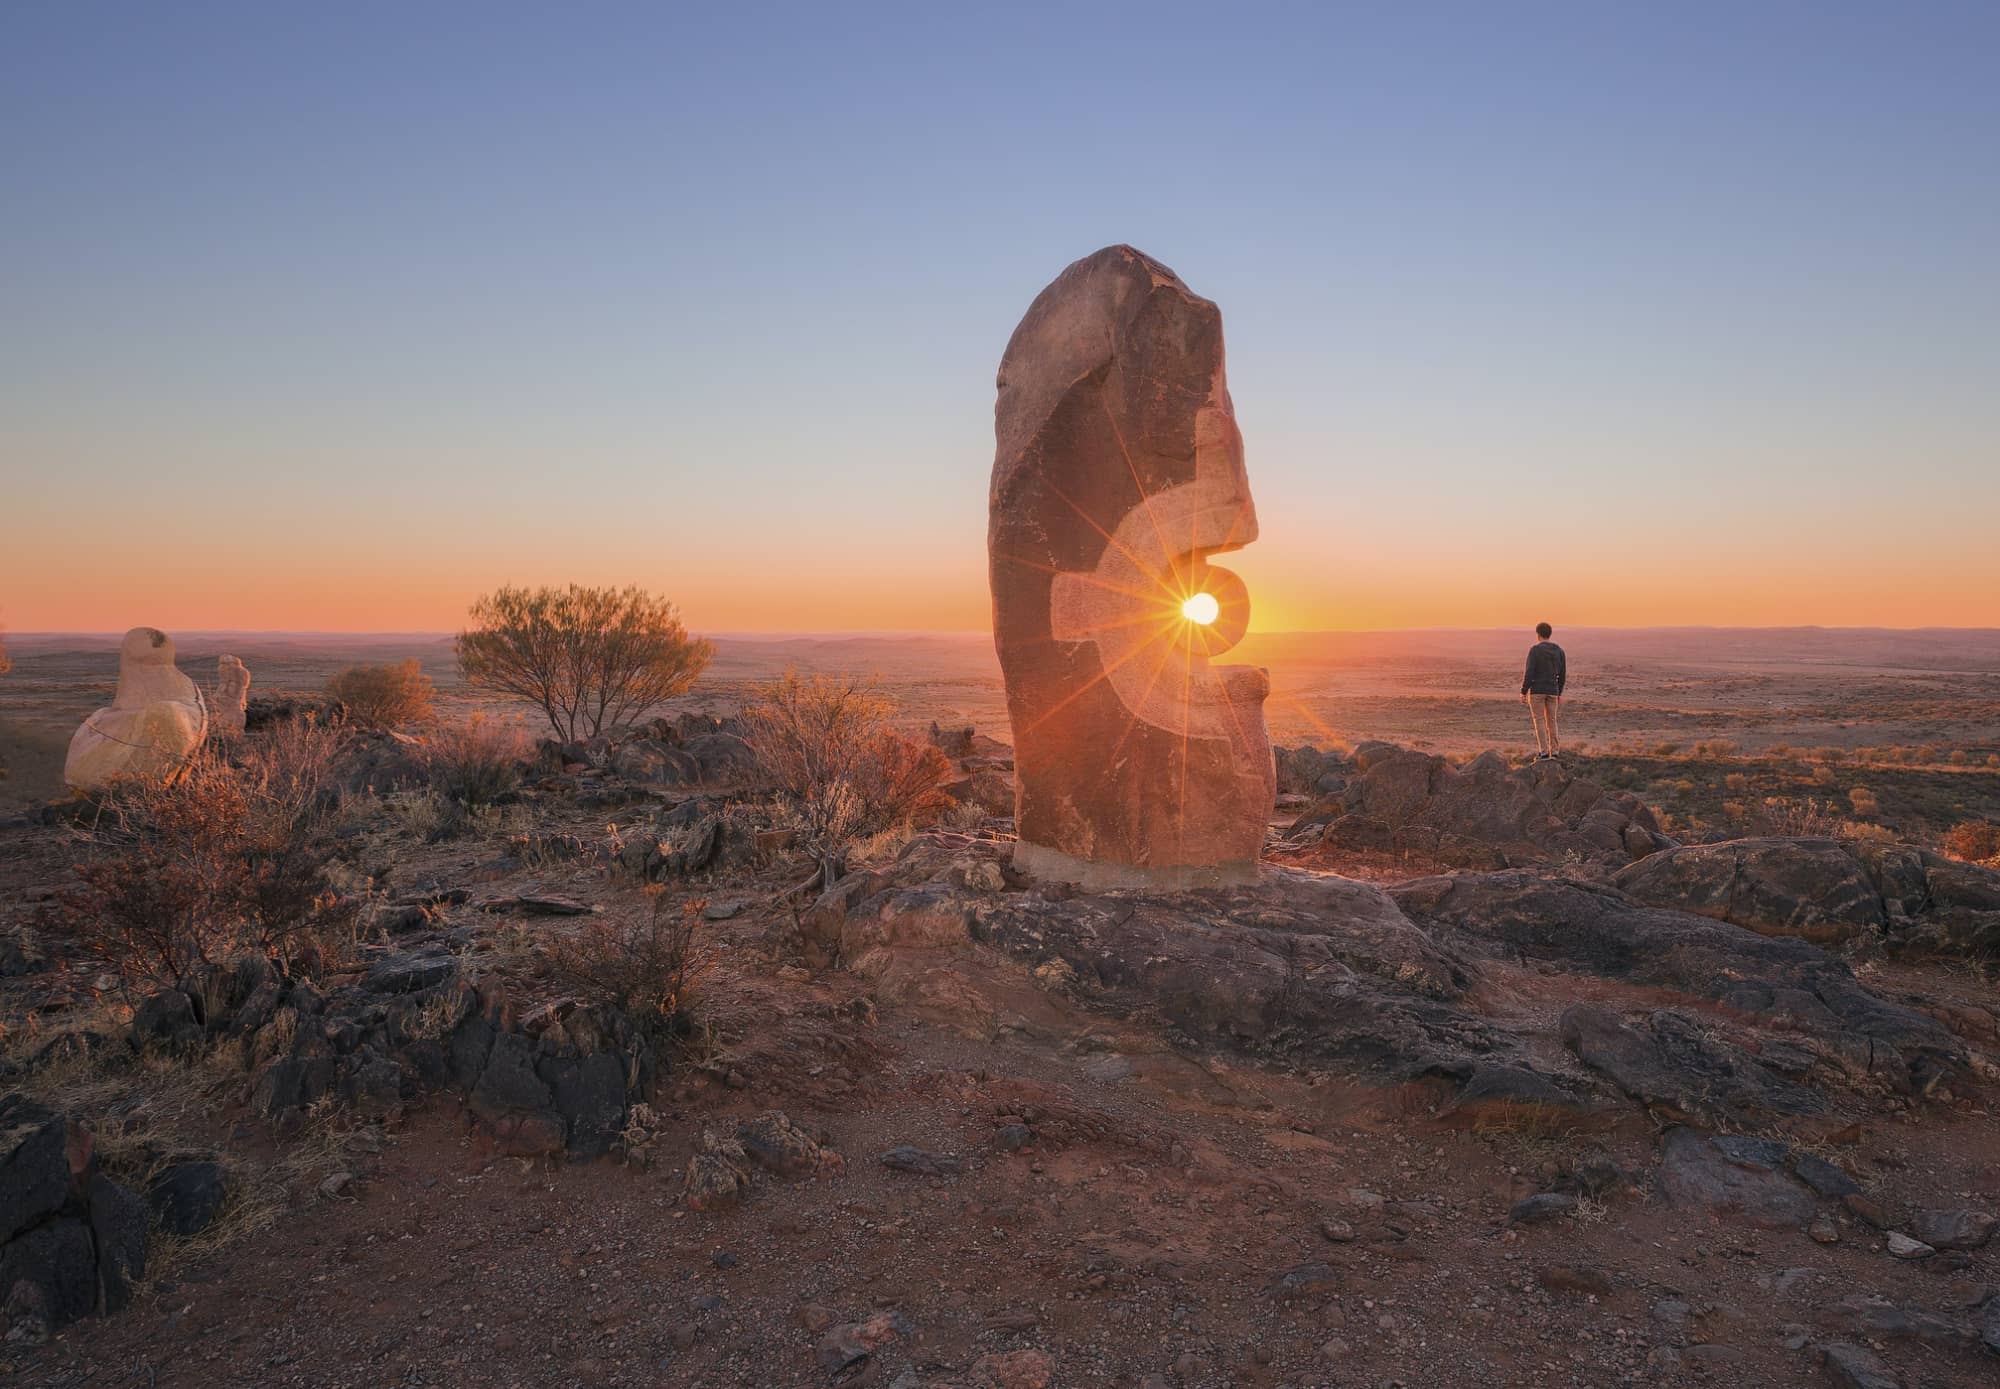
1697,1176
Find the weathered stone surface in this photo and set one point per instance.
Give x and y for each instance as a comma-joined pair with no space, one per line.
1118,471
187,1196
1698,1177
1678,1068
34,1171
152,726
48,1277
230,705
773,1141
1852,1367
1485,814
118,1226
1813,888
1600,931
655,763
1953,1229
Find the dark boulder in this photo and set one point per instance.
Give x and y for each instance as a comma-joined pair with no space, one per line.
48,1277
187,1196
34,1163
1812,888
119,1223
1697,1177
589,1094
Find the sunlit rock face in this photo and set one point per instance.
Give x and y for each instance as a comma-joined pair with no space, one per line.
152,726
232,696
1118,473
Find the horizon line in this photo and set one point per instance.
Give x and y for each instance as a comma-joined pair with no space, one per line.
783,634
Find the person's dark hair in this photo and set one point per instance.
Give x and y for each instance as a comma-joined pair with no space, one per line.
1544,631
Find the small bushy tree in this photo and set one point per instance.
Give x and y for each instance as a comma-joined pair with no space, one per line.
1975,841
386,696
590,659
828,745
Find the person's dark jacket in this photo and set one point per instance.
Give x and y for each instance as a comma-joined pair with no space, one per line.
1546,670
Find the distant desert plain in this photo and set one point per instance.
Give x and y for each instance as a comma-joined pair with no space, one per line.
1676,713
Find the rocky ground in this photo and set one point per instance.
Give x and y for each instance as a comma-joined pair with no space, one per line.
1547,1099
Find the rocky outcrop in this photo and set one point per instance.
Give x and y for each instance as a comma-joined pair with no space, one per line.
1398,985
1827,1028
72,1241
1830,891
1484,814
1117,472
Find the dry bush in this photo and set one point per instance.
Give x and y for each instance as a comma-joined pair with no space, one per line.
387,696
1799,819
1974,841
1864,802
827,744
471,767
590,659
1715,749
186,873
647,969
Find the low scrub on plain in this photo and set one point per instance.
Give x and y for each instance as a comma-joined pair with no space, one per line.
1975,841
386,696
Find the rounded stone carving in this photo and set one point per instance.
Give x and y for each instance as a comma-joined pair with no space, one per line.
1118,473
152,726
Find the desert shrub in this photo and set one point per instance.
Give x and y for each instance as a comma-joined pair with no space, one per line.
186,873
1993,760
1799,819
1864,802
1737,782
827,744
648,969
6,661
590,659
1824,775
1862,832
471,767
386,696
1665,749
1975,841
1715,748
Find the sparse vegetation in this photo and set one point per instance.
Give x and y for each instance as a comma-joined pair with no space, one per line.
386,696
591,659
827,743
472,766
1801,819
186,873
648,969
1975,841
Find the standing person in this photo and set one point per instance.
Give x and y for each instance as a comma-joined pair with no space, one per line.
1542,688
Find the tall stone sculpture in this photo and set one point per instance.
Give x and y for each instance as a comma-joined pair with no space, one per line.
232,697
1118,472
152,726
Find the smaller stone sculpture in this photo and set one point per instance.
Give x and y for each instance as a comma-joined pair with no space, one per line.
232,696
152,726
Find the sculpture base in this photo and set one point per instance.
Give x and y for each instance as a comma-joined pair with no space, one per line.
1053,865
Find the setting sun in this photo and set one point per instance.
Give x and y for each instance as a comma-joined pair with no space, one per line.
1201,609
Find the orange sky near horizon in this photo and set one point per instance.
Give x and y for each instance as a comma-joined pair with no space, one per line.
1374,581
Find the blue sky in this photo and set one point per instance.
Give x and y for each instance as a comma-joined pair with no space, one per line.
1624,313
